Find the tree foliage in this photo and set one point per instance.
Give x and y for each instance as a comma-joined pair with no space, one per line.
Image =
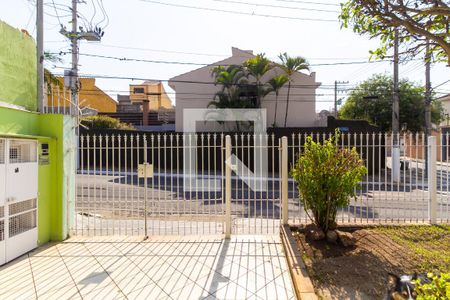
104,122
416,22
50,79
327,176
275,84
290,65
438,288
371,100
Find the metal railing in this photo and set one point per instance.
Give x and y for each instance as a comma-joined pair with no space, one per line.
111,198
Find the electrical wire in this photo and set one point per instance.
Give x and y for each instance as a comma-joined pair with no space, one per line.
238,12
309,2
276,6
204,64
331,86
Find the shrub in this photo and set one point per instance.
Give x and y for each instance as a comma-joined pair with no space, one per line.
327,176
104,122
438,288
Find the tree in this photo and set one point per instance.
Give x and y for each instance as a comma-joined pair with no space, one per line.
415,21
50,79
276,83
371,100
233,91
257,67
290,65
104,122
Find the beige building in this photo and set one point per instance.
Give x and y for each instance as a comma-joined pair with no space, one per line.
194,90
445,100
151,91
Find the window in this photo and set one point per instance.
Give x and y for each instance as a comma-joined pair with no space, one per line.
138,90
249,93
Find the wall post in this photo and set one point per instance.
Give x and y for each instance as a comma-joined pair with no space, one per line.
227,187
432,187
284,181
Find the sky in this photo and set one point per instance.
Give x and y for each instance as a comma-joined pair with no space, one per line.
203,32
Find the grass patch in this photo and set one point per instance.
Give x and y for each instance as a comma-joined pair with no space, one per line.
429,244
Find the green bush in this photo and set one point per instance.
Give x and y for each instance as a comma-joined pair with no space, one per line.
104,122
327,176
438,288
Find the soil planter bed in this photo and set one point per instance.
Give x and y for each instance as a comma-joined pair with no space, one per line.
361,271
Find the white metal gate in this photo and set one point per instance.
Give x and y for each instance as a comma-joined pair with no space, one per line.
113,200
18,197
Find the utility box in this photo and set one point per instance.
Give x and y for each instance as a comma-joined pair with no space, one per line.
18,201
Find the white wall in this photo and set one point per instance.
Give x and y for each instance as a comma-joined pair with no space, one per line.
446,105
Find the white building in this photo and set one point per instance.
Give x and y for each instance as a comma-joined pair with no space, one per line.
195,90
445,100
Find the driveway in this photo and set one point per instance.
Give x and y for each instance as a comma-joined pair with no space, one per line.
191,267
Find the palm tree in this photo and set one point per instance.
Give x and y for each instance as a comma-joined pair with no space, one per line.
290,65
276,83
232,80
257,67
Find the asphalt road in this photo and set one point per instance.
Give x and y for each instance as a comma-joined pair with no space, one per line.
124,197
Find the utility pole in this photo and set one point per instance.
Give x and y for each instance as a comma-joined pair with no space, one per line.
92,34
74,71
40,53
427,101
395,117
335,95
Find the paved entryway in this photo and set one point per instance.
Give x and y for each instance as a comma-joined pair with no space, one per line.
244,267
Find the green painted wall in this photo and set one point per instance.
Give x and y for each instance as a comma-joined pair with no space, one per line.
61,187
18,80
56,179
18,87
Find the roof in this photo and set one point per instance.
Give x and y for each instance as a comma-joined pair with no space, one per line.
444,98
236,53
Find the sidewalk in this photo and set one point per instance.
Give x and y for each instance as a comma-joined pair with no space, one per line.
191,267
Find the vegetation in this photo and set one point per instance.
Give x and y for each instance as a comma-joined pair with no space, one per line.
438,288
243,85
257,67
276,83
104,122
290,65
327,176
233,93
50,80
415,21
371,100
430,245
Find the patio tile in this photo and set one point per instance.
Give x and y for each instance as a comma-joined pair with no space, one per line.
149,292
243,267
51,277
16,278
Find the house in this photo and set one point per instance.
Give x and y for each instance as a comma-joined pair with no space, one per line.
152,92
195,89
445,100
90,96
147,106
37,155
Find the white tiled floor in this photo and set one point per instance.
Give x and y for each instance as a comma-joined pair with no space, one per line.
244,267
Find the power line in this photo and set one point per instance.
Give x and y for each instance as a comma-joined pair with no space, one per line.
275,6
207,64
96,92
199,53
185,81
238,12
309,2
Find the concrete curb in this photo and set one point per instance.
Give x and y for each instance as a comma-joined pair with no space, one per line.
303,286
